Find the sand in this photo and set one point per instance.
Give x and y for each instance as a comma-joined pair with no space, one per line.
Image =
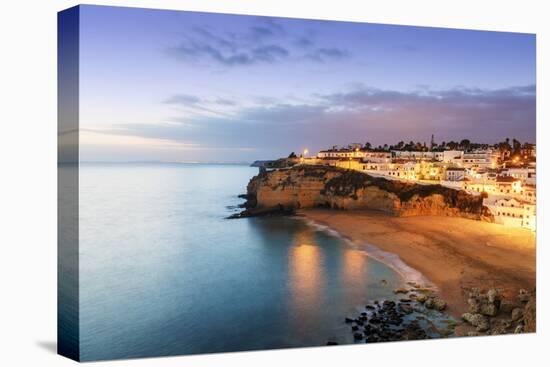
455,254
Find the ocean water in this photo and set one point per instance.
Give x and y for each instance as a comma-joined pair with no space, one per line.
162,272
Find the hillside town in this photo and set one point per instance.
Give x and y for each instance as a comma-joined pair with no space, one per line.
504,173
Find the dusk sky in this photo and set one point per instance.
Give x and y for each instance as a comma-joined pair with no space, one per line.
184,86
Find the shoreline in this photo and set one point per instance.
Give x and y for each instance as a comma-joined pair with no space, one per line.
453,254
391,260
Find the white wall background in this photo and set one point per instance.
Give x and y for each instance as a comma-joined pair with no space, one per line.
28,181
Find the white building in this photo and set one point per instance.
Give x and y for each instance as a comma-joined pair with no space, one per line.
507,185
455,174
416,155
479,159
453,156
377,157
526,175
341,153
514,213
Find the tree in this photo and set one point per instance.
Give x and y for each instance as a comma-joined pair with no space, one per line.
516,146
465,144
368,145
452,145
292,155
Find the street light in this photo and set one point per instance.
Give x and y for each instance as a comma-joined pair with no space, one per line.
306,151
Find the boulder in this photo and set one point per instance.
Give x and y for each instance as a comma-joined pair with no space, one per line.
439,304
473,305
401,290
475,319
500,327
506,306
517,313
421,297
435,303
488,309
523,295
474,293
493,296
530,315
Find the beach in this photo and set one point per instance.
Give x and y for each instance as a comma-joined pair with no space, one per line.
455,254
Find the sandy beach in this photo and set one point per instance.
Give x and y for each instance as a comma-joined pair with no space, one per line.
455,254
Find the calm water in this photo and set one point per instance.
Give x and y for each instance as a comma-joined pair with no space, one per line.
163,273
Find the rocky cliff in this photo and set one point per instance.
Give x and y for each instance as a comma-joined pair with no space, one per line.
323,186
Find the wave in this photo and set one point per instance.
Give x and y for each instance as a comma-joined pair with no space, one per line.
389,259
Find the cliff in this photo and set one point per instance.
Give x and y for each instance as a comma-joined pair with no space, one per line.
286,190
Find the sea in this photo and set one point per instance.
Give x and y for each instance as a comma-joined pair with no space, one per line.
164,272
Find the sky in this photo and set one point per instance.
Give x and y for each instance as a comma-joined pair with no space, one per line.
158,85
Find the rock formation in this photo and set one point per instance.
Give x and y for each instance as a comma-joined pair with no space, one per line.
304,186
492,315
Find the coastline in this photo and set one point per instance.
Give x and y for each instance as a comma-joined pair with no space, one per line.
454,254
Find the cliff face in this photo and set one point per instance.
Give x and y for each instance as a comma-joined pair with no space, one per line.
323,186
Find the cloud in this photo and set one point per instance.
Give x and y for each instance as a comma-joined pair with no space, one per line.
327,54
264,42
225,102
304,42
198,104
358,115
183,99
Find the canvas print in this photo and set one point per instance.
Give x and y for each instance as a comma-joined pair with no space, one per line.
236,183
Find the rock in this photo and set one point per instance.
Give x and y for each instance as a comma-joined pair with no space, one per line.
517,313
354,328
530,315
332,343
493,296
473,305
435,303
439,304
401,290
348,320
501,327
474,293
383,282
519,329
488,309
358,336
369,307
506,306
473,333
406,308
309,186
475,319
523,295
388,304
421,297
